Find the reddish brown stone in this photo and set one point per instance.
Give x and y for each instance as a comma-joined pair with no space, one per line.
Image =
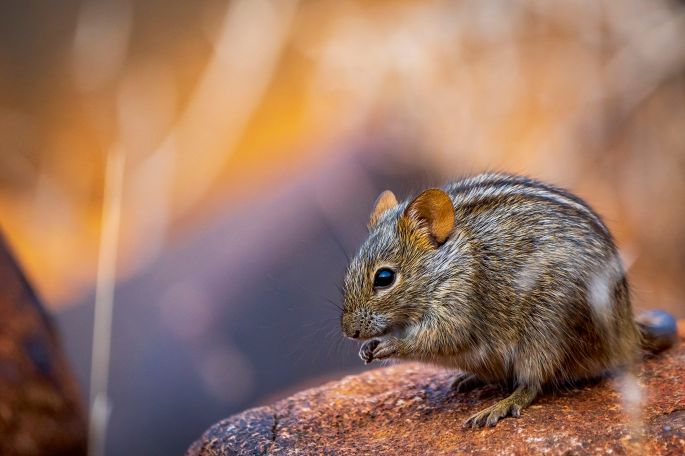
40,408
408,409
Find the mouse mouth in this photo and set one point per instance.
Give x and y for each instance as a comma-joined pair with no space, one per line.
388,332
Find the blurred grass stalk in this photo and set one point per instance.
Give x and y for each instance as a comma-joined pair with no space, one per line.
104,300
238,74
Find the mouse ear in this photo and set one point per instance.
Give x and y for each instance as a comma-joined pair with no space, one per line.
432,210
384,202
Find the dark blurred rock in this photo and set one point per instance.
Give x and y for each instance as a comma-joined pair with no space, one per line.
40,408
408,409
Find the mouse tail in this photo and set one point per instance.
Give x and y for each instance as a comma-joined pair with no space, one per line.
658,330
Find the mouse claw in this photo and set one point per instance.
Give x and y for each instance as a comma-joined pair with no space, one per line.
366,351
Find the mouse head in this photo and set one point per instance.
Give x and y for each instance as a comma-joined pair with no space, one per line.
390,282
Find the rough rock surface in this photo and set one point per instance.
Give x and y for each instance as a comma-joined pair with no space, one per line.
40,409
408,409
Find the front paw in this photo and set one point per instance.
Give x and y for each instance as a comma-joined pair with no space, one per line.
367,349
376,349
386,349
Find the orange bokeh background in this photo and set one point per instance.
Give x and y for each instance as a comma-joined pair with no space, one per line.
251,111
588,95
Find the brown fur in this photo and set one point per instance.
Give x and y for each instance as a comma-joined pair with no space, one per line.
519,281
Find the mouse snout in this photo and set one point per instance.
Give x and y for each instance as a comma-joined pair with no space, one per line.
361,325
350,327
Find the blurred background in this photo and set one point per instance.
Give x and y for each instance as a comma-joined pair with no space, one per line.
258,133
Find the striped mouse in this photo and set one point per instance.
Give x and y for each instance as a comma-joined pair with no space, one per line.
499,276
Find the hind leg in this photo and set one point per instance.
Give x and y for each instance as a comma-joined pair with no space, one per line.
512,405
464,382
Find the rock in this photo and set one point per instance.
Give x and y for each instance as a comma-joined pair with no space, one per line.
408,409
40,407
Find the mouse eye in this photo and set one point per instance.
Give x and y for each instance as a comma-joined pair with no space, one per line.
384,278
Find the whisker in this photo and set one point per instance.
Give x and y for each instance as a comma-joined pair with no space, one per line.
296,330
315,332
332,331
323,222
337,306
339,288
336,345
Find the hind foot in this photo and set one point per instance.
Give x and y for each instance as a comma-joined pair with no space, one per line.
512,405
